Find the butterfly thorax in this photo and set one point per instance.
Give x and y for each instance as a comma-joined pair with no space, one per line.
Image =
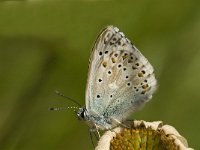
94,120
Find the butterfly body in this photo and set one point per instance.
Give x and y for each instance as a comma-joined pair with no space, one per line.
120,81
95,121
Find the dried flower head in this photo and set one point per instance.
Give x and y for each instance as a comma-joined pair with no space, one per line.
142,135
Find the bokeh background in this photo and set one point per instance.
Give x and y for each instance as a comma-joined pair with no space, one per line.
45,46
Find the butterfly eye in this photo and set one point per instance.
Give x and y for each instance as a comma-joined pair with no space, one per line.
106,52
98,96
82,115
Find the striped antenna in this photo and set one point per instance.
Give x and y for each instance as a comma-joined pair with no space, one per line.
72,100
63,108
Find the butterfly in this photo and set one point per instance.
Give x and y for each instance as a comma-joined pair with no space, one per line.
120,81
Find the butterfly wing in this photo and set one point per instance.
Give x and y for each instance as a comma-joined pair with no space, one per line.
120,78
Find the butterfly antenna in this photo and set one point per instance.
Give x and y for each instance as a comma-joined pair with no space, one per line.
72,100
63,108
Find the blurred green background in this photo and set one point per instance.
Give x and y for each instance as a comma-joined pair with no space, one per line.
45,46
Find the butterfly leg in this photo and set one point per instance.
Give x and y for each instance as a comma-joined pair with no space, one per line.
97,131
91,138
92,135
96,136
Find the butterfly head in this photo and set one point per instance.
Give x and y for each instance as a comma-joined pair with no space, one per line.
82,114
